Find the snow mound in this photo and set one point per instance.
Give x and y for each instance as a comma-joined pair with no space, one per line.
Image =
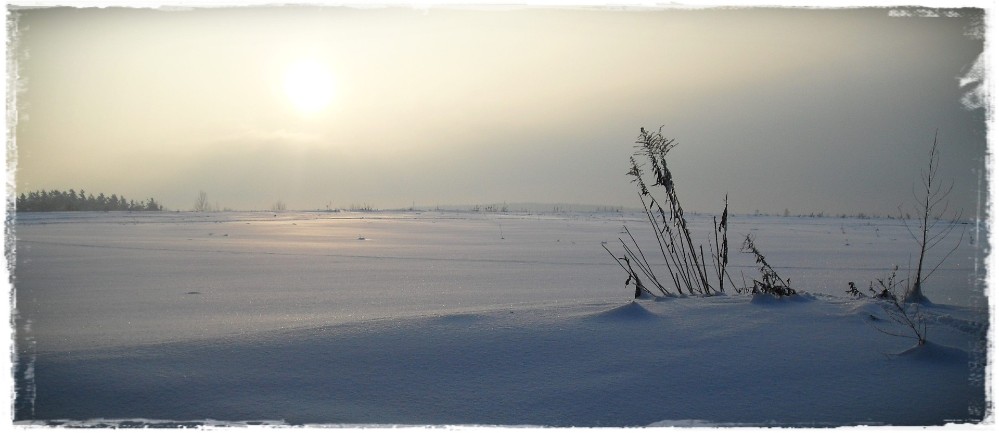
765,299
867,310
630,311
936,353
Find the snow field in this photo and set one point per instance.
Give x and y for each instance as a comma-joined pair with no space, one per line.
813,362
435,318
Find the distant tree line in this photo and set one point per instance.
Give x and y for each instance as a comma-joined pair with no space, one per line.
63,201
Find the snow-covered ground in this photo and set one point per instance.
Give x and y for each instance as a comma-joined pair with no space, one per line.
472,318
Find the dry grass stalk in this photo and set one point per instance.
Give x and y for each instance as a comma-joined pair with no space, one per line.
685,262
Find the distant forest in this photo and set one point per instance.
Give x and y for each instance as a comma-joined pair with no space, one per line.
59,201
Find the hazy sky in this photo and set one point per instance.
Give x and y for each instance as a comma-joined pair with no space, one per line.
805,109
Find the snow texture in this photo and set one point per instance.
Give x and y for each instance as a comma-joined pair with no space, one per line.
178,319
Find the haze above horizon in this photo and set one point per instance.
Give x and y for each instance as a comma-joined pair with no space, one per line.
811,110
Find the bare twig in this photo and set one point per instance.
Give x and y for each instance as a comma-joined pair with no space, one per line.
931,206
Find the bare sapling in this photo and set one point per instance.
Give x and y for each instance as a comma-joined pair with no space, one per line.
900,299
931,209
685,262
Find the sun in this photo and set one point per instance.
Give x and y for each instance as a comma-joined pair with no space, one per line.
309,86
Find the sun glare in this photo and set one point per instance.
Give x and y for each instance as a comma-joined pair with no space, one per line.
309,86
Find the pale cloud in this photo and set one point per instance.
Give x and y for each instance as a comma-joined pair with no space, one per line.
276,136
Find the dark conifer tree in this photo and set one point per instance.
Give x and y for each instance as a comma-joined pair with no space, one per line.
59,201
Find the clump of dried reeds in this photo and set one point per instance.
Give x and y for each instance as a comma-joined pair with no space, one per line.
770,282
685,262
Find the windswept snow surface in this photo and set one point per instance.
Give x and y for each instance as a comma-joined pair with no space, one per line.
469,318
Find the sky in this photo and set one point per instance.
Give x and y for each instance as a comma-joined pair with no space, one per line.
810,110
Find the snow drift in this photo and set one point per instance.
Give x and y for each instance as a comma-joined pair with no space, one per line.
440,321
